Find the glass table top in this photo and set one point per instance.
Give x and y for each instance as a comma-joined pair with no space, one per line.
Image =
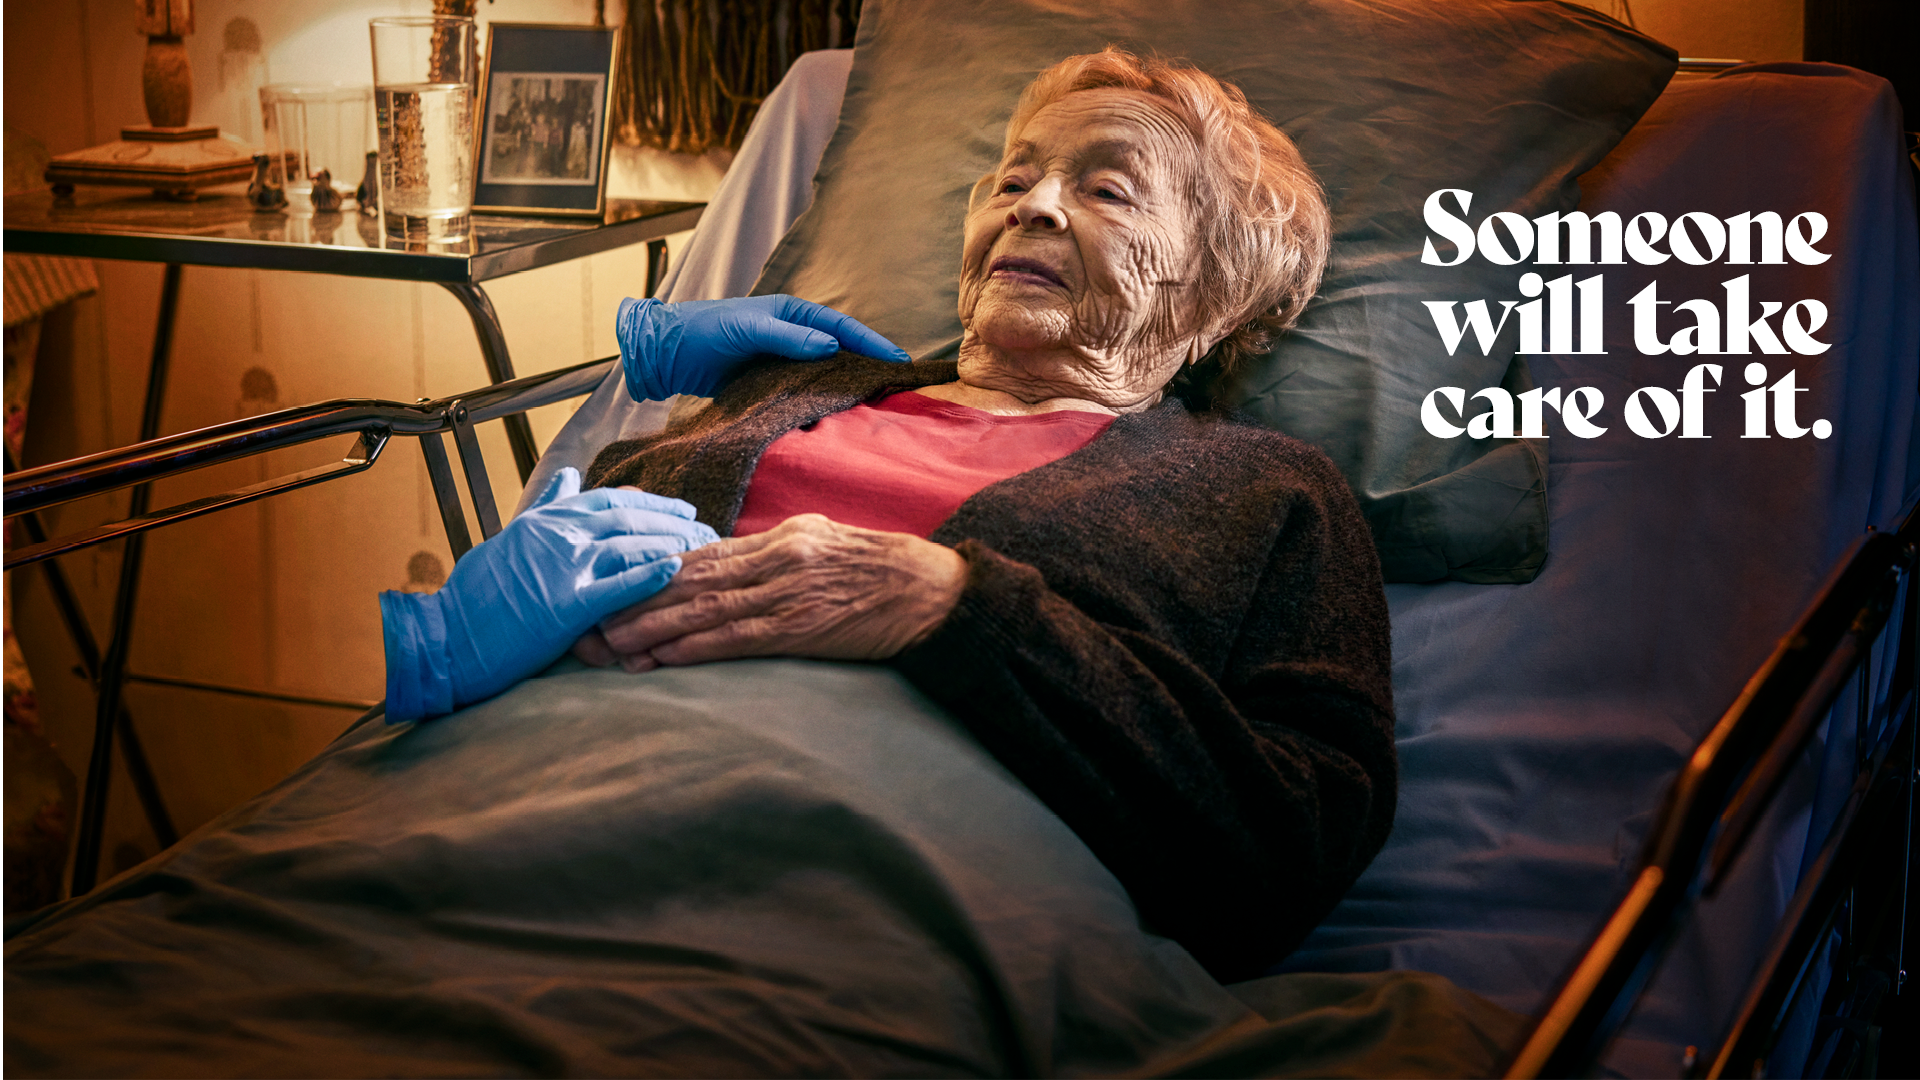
223,230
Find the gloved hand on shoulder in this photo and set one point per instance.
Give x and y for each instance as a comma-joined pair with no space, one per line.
690,347
516,602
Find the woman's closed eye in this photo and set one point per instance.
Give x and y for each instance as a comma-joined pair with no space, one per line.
1111,185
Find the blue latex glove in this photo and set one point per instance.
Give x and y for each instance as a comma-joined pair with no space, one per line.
515,603
688,348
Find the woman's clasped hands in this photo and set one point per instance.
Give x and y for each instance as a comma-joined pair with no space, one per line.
515,603
809,587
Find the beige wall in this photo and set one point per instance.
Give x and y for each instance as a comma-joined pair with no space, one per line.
280,595
1726,29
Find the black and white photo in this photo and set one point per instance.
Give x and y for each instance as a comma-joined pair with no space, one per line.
544,118
544,128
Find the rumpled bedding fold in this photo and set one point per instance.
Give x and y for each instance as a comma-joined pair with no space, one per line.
761,868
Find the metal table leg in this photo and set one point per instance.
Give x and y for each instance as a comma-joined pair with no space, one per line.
493,349
656,265
132,754
113,668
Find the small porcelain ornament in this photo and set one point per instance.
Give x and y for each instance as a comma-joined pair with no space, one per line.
325,199
368,193
264,192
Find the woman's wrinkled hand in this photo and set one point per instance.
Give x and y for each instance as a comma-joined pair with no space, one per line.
807,587
513,603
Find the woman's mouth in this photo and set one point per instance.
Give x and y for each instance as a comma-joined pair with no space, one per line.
1013,266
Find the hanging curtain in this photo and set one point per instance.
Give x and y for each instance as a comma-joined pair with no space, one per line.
696,70
446,63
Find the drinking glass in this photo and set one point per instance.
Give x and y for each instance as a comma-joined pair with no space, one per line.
425,71
310,128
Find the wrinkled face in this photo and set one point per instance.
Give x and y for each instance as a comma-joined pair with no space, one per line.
1081,250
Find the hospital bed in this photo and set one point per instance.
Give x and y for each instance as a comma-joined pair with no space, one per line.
1636,796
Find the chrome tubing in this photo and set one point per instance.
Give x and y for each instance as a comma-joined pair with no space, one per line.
374,421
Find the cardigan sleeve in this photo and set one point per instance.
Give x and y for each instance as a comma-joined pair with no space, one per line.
1236,808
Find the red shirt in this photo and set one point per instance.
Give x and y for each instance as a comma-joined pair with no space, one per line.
904,463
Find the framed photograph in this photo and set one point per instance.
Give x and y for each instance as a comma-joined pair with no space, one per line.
545,97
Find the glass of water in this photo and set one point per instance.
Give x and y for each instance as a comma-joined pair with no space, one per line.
424,73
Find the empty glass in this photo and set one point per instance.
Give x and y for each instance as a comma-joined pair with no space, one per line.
425,71
310,128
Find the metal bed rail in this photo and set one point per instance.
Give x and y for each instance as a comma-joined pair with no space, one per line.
1721,792
374,421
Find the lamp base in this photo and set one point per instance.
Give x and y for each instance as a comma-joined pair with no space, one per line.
175,163
149,133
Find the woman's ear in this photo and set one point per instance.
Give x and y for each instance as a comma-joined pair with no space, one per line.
1204,342
1219,331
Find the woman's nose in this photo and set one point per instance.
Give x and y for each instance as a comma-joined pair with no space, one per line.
1039,208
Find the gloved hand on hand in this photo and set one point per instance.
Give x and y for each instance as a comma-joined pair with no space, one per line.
688,348
516,602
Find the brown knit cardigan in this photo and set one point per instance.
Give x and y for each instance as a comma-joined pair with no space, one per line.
1176,636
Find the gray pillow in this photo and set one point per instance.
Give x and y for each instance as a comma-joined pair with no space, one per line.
1389,100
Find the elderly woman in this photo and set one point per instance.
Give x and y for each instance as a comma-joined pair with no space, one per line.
1165,620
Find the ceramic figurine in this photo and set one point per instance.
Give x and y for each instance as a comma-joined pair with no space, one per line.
368,193
265,193
325,199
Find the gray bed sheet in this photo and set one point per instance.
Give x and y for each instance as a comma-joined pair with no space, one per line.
760,868
1539,724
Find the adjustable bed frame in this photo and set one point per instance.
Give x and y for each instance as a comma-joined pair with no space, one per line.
1857,888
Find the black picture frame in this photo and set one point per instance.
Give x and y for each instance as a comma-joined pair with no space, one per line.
545,114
